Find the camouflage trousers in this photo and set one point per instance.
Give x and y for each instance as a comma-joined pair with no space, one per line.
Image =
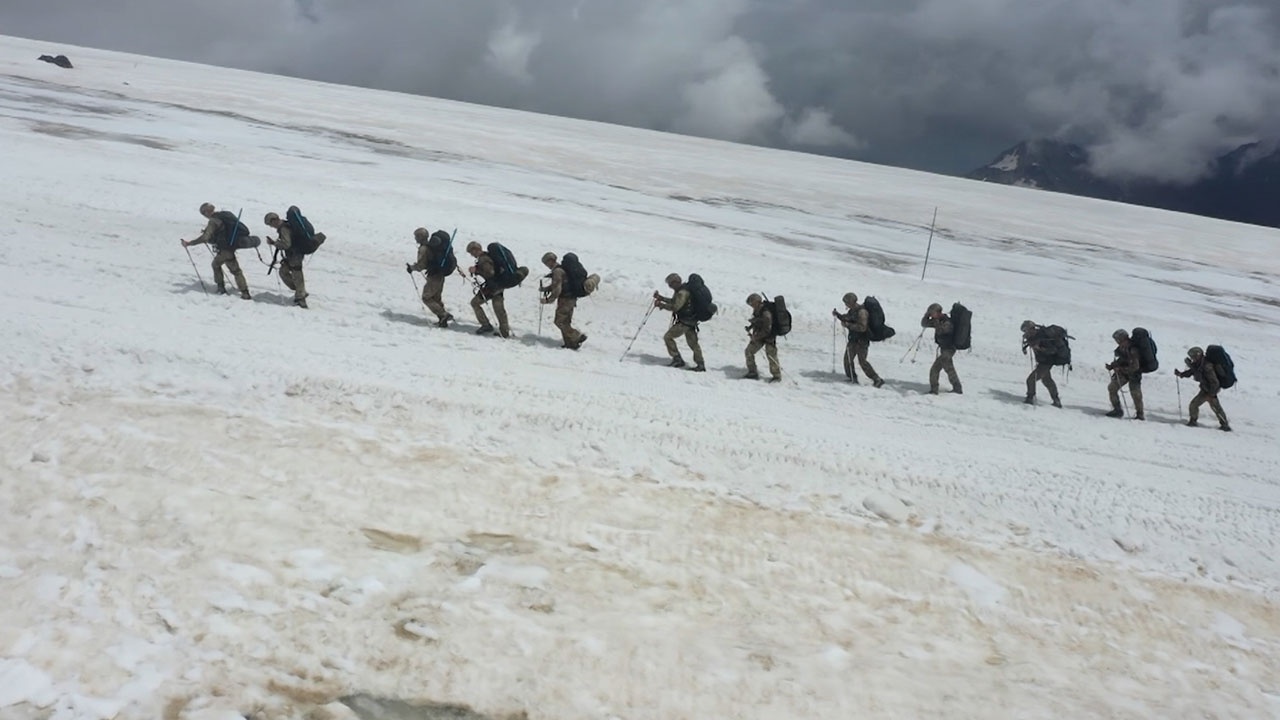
1135,390
499,311
228,258
564,319
770,353
433,295
1193,412
857,350
690,334
944,362
291,276
1043,373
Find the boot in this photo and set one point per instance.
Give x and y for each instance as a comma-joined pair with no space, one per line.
504,333
444,321
581,339
957,390
1057,403
699,368
854,380
1140,416
222,289
877,383
1029,400
300,302
1192,423
775,379
1224,427
933,390
1116,413
244,295
676,362
484,330
751,376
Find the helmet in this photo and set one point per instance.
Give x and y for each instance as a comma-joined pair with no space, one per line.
1195,353
1027,326
1120,334
549,258
421,235
754,299
850,299
934,308
271,219
674,279
473,247
207,208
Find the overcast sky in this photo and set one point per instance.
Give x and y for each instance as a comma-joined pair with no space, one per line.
1156,87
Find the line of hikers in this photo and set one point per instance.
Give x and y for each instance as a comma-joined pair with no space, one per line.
495,270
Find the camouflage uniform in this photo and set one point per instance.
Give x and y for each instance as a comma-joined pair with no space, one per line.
291,266
1207,375
565,305
1126,370
1044,365
944,336
490,293
858,322
433,289
213,234
761,331
682,325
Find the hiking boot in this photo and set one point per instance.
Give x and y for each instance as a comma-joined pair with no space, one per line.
1029,400
1116,413
775,379
1192,423
699,368
1139,416
444,321
933,391
222,290
854,380
244,295
751,376
301,302
504,333
957,390
877,383
484,330
676,362
1057,403
1224,427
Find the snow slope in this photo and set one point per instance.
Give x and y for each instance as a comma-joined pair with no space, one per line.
216,508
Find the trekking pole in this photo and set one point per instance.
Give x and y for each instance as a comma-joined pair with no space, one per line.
911,347
206,290
633,337
835,331
1178,380
929,248
416,294
541,306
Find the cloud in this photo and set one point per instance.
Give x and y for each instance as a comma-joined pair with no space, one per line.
1152,87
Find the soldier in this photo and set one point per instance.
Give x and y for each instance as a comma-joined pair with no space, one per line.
1205,373
683,322
1126,369
761,333
216,233
436,259
944,336
556,292
487,292
291,266
857,321
1033,339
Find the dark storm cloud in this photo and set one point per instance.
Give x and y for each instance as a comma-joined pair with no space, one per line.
1153,87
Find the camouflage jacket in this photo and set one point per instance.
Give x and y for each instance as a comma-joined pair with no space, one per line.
858,322
679,306
211,233
1128,363
553,291
761,327
943,332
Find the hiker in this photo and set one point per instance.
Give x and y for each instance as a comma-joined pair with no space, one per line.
1205,373
489,291
683,322
436,259
857,321
761,332
1045,347
1126,369
291,266
944,336
217,233
558,292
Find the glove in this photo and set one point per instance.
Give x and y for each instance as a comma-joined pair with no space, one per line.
657,302
271,242
408,268
184,243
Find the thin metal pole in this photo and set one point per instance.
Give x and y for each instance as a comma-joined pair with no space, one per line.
206,290
930,246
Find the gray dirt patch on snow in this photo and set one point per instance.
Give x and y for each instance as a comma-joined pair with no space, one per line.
368,707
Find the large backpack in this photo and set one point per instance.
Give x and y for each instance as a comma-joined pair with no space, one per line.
443,261
575,276
961,326
1054,344
781,315
302,236
1217,356
507,273
701,307
235,234
876,329
1141,339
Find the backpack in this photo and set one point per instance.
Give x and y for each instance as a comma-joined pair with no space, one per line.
1054,344
1141,339
302,236
1222,364
781,315
575,276
235,235
876,329
701,307
961,326
507,273
443,261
